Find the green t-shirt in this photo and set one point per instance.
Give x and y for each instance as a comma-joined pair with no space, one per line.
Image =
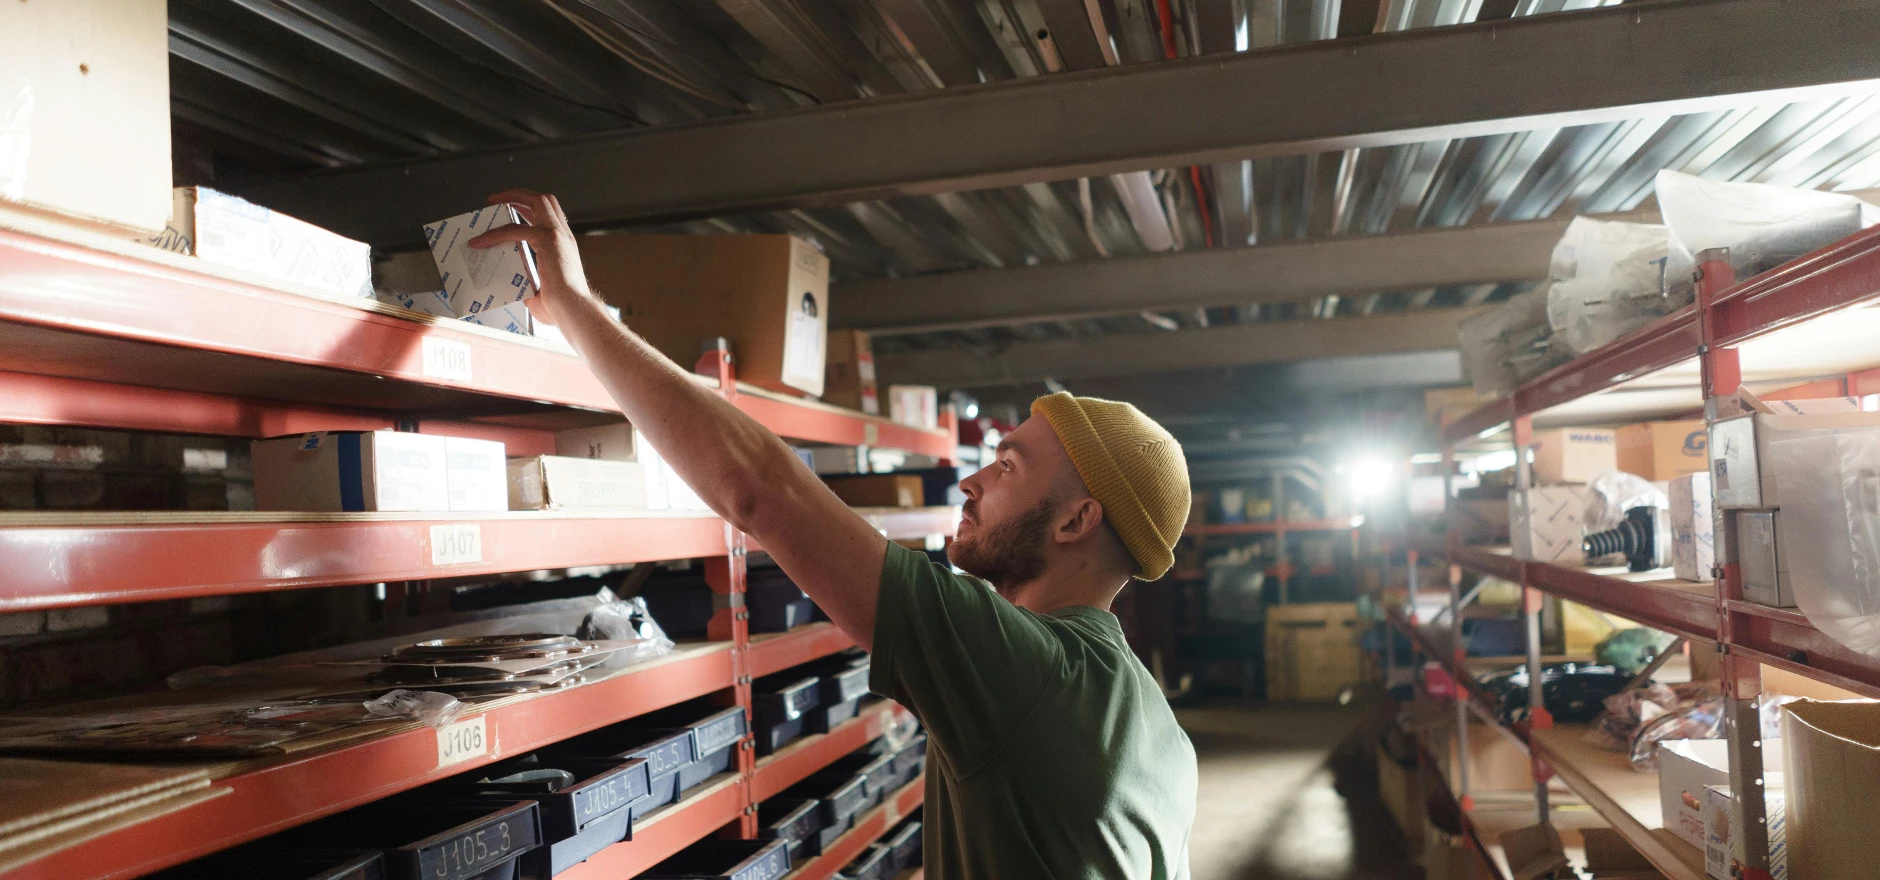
1051,751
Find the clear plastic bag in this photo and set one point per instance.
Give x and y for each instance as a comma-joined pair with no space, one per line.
1614,493
430,707
1607,281
626,620
1764,226
1829,532
1508,344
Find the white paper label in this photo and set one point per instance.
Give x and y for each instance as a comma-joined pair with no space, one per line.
460,741
456,544
446,359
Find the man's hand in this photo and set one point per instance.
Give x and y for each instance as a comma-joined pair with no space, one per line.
557,257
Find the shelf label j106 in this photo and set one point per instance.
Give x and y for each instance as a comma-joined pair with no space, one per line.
462,740
456,544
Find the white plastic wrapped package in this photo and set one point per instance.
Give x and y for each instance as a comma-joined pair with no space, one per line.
1829,532
430,707
1614,493
627,620
1764,226
1607,282
1507,345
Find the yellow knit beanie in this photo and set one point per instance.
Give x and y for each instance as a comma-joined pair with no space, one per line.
1132,466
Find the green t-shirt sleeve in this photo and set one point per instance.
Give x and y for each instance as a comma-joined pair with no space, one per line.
966,662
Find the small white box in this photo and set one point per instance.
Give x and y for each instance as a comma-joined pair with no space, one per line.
229,231
609,442
1544,525
475,473
476,280
1760,556
665,489
556,482
512,319
1686,767
836,459
916,405
1693,542
349,471
430,302
1740,451
1721,851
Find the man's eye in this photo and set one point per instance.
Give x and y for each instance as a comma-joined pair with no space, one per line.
1005,465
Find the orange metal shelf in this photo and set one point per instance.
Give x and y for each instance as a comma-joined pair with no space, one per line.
79,559
869,827
665,831
1264,528
276,796
775,652
791,764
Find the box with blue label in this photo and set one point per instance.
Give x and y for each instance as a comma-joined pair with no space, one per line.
386,471
479,280
219,228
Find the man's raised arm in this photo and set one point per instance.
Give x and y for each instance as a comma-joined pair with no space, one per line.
737,466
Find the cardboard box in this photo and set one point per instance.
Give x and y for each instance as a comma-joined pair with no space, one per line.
1544,524
479,280
835,460
767,294
474,473
1740,468
1688,766
879,490
1693,539
1480,520
916,405
1663,450
608,442
849,374
226,230
1833,758
85,111
1311,650
1573,455
555,482
1765,570
1609,854
349,471
665,489
1721,851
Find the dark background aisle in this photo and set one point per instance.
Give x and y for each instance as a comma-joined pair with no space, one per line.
1287,794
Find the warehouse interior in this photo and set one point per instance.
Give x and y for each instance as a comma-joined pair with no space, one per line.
1519,354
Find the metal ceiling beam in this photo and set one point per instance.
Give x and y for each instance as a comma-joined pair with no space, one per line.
1438,83
1139,353
1286,272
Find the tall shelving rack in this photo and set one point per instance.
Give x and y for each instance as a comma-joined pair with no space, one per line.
100,333
1803,329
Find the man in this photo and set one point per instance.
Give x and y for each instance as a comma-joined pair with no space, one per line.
1053,754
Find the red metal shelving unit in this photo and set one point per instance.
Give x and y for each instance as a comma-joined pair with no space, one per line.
107,334
1729,317
869,827
796,761
1269,528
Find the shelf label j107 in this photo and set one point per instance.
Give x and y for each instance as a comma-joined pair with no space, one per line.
446,359
456,544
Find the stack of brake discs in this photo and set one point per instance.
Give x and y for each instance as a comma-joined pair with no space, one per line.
485,665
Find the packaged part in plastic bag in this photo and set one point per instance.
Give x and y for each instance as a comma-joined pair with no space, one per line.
1763,225
1615,492
430,707
1829,532
626,620
1509,344
1607,281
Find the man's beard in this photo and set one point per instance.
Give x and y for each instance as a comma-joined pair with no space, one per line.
1010,555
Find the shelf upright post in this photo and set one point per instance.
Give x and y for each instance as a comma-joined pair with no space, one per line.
1458,657
1722,374
1522,433
1279,533
726,576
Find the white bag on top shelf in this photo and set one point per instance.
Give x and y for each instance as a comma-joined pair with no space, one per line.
1763,225
1829,532
1607,281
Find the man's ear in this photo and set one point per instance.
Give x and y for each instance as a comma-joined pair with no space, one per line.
1083,518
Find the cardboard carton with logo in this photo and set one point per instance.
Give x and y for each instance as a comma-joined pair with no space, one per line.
386,471
478,281
915,405
767,294
556,482
1544,525
1573,455
1722,850
849,375
1663,450
879,490
1686,767
219,228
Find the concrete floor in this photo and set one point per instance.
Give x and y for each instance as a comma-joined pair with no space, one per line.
1287,794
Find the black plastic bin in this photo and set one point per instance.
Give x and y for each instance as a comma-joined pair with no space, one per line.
665,752
714,741
791,820
683,605
840,794
904,842
590,812
826,717
780,705
875,863
776,603
259,861
423,838
877,771
725,860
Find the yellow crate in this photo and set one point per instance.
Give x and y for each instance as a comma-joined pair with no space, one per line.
1311,650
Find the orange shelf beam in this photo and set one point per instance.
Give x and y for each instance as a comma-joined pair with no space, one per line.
869,827
795,762
775,652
